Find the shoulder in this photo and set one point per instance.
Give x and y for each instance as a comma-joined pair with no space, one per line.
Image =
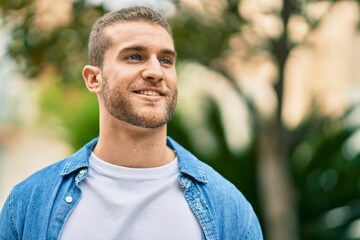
211,181
49,176
223,192
33,198
40,181
231,210
28,199
233,214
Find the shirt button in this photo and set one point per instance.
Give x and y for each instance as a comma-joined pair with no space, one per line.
68,199
82,172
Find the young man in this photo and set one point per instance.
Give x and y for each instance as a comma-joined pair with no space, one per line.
133,182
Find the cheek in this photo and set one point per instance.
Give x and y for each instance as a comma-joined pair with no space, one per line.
118,79
172,79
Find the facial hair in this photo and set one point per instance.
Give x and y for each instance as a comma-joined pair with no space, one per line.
120,106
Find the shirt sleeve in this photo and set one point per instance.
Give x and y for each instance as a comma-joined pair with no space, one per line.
253,231
7,223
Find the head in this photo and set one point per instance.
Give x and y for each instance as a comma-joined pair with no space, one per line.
99,41
132,67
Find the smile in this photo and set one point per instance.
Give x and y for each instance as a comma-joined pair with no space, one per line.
148,93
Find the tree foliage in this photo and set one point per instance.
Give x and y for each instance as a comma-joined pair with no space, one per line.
63,48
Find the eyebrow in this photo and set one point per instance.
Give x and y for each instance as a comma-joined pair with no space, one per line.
139,48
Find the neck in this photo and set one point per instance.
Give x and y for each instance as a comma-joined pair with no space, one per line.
130,146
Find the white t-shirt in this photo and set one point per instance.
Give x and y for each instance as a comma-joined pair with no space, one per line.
131,203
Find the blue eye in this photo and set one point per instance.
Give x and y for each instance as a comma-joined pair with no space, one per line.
133,57
166,61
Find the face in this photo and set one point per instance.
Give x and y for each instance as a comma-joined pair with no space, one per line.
139,81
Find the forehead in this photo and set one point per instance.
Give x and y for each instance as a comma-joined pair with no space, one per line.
139,32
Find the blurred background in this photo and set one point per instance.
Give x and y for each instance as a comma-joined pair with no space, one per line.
269,96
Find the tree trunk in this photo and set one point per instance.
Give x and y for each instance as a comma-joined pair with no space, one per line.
276,186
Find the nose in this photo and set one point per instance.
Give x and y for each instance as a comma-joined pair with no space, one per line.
153,70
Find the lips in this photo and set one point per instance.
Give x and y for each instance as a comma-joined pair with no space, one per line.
150,92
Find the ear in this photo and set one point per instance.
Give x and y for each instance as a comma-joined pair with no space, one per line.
92,78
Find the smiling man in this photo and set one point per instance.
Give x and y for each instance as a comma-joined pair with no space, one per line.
132,182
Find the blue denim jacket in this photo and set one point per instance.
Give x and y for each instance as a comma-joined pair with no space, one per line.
38,207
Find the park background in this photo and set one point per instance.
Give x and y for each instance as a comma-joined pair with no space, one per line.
269,95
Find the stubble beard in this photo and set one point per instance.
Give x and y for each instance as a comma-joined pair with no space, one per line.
123,109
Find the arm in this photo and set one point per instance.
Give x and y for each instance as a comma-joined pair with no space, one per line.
7,224
253,229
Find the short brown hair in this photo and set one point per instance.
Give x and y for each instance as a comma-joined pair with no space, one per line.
99,42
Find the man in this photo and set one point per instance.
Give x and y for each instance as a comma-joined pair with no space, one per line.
133,182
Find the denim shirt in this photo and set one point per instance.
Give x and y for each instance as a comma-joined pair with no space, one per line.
38,207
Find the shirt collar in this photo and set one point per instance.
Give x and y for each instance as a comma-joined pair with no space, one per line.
80,159
189,165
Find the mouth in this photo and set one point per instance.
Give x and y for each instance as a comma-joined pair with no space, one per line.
151,93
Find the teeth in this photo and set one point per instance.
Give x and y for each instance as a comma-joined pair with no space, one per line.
149,93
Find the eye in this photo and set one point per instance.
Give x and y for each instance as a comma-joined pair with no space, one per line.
166,61
133,57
